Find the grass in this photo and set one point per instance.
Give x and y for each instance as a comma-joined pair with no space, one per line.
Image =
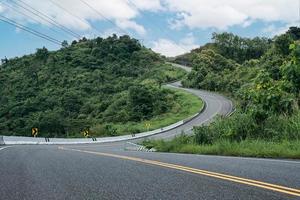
240,135
256,148
187,105
246,148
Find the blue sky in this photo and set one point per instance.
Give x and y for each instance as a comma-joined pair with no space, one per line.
170,27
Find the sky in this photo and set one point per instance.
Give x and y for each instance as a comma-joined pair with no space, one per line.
169,27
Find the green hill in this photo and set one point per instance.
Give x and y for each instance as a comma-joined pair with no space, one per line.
88,84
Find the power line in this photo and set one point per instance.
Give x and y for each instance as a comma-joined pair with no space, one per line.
103,16
29,30
71,14
46,18
26,15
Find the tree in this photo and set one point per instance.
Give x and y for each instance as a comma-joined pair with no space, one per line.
51,124
268,95
42,54
282,44
238,48
71,103
64,44
140,103
294,32
4,60
74,42
291,70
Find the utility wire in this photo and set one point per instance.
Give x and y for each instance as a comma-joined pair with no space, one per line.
26,15
46,18
29,30
71,14
103,16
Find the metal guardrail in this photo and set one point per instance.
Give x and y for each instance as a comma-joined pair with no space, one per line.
29,140
11,140
232,112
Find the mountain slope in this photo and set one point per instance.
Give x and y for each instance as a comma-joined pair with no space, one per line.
99,81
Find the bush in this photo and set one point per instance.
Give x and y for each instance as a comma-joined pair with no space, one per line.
203,135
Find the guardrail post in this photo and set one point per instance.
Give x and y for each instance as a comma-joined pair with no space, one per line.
1,140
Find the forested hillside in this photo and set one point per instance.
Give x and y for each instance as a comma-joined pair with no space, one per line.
262,75
88,84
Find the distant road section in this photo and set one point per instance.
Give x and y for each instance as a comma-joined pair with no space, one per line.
188,69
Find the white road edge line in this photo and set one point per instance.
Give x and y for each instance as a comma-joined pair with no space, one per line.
5,148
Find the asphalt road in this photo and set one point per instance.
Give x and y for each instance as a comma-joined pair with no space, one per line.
98,172
107,171
215,104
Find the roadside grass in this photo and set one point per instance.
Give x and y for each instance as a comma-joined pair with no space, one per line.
246,148
186,106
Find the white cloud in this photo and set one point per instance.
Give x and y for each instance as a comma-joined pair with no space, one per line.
115,10
269,29
194,14
272,30
153,5
222,14
110,32
170,48
127,24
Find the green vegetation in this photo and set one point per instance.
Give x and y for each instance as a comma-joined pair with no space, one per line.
111,86
263,76
249,148
185,106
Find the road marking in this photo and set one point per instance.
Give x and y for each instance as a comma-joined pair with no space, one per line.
4,148
260,184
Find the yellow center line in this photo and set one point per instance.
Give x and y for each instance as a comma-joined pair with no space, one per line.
260,184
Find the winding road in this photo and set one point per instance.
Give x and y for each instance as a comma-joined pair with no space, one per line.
107,171
215,104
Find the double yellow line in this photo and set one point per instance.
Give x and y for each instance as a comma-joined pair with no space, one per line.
264,185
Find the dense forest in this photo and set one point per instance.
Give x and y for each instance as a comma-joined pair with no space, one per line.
261,75
84,84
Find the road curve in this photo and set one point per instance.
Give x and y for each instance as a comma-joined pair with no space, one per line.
107,171
215,104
